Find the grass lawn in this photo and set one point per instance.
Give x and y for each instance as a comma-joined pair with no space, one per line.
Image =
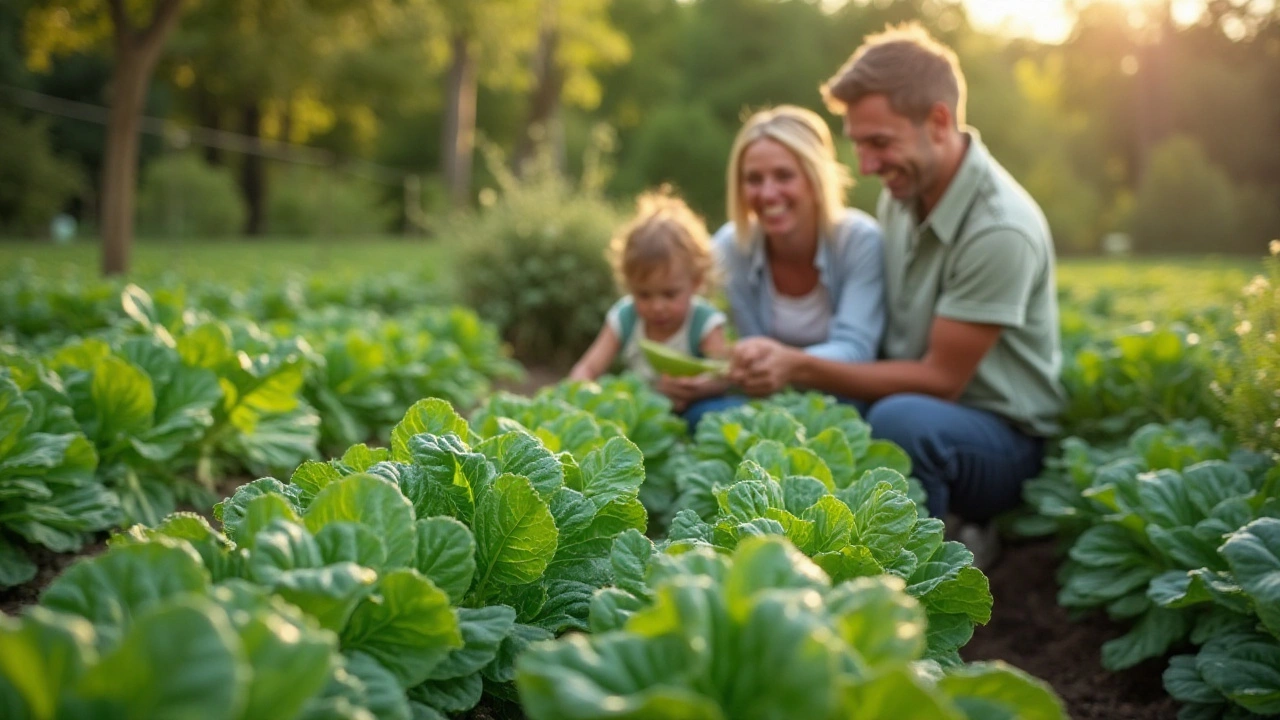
1130,289
238,262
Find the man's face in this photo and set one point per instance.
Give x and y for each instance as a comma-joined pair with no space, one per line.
892,147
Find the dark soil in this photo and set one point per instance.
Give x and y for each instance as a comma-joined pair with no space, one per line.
49,565
1030,630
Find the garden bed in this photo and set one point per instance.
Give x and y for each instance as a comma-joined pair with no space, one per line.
1031,630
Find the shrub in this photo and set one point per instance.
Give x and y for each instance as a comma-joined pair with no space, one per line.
1184,203
533,263
316,202
1249,378
34,183
183,196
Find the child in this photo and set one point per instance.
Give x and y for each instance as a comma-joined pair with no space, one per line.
662,258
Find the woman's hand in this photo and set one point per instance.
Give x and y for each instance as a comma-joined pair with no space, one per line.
684,390
762,366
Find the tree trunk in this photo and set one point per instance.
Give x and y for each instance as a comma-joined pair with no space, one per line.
543,124
136,56
458,142
253,174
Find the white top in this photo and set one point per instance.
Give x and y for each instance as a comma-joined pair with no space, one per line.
633,357
801,321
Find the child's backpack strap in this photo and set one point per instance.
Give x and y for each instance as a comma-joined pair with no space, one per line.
626,322
700,313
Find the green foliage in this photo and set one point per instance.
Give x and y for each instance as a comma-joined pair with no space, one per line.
686,147
35,184
761,633
313,202
49,495
1184,202
533,263
1114,387
182,196
1249,373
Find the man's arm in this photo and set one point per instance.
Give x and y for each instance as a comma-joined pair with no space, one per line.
763,366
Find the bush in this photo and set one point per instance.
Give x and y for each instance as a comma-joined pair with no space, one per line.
1184,203
318,202
183,196
533,263
35,184
686,147
1249,378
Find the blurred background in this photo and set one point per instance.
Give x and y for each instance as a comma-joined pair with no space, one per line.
1147,126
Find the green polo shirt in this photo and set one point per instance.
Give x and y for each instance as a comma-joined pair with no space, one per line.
983,255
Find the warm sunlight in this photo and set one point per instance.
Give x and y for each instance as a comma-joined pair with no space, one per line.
1050,21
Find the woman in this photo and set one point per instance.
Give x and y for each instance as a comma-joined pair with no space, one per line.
798,265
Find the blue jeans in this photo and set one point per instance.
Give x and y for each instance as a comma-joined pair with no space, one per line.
971,462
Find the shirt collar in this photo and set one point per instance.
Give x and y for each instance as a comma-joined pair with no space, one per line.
949,213
759,260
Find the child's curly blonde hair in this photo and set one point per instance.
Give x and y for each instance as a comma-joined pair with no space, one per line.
664,233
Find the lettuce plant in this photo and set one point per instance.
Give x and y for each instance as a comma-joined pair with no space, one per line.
49,495
502,534
865,529
822,438
760,633
625,405
1159,552
140,632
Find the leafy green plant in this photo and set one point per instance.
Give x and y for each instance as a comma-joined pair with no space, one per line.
761,633
817,434
1143,376
625,403
49,495
515,535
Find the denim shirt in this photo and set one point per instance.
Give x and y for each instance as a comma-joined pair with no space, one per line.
850,264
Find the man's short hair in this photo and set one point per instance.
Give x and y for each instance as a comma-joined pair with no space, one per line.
906,65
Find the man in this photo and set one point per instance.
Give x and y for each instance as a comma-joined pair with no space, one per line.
968,380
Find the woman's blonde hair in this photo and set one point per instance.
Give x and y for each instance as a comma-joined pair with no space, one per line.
804,133
663,232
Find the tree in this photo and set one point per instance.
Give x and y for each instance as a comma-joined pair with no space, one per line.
136,33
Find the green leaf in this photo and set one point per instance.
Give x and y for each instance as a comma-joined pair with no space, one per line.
765,564
1253,553
896,694
312,477
259,513
182,660
516,536
994,689
329,594
446,555
15,567
833,525
432,416
613,471
409,629
42,654
885,625
373,502
351,542
801,492
1154,634
124,400
112,589
884,454
483,630
359,458
520,453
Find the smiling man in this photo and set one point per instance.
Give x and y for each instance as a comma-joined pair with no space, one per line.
968,381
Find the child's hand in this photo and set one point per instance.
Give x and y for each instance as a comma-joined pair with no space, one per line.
684,390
